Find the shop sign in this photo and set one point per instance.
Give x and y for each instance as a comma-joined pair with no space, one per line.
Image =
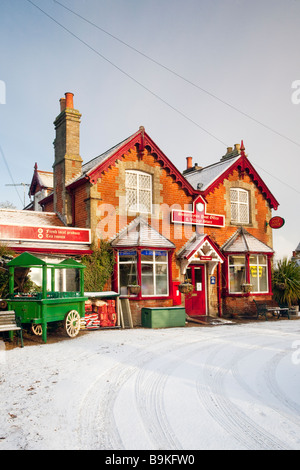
198,215
205,258
276,222
46,234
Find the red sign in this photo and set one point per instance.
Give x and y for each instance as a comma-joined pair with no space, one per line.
198,216
46,234
276,222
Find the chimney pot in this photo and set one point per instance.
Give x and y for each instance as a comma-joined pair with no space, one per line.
69,100
237,147
62,104
189,162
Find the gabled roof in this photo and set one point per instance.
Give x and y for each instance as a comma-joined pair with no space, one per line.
44,179
93,169
140,233
201,244
208,178
243,242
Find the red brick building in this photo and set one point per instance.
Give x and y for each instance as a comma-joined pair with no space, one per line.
207,225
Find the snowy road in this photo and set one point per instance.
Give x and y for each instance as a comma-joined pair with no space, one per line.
221,387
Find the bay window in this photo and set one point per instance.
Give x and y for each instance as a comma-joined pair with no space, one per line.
248,269
148,268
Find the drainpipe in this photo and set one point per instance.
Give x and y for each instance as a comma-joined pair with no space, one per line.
219,289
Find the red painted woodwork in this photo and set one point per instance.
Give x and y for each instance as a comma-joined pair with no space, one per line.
195,303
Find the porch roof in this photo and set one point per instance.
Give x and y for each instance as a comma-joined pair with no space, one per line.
140,233
242,241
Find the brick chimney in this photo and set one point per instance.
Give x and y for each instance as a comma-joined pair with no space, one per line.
67,163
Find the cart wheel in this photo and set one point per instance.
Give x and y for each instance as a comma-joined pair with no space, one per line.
37,329
72,323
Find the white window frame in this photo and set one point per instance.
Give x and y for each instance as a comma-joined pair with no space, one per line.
257,266
239,203
138,188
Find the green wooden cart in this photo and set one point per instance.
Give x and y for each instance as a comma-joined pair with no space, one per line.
57,294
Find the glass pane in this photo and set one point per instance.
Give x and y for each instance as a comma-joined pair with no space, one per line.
145,181
147,255
236,278
144,201
128,275
243,196
263,279
262,259
161,279
237,260
131,180
233,195
161,256
243,213
147,279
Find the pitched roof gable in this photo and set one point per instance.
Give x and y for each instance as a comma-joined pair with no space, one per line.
243,242
208,178
140,233
94,168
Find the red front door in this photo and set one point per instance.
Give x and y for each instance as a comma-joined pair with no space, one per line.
195,303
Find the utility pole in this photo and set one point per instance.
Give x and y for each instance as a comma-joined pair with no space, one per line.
20,184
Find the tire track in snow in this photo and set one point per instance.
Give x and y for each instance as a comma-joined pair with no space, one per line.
150,394
237,423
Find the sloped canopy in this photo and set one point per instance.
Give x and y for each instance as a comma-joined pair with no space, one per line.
243,242
140,233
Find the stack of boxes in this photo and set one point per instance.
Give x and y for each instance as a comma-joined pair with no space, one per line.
99,313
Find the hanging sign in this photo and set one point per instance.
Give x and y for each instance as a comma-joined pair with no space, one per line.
198,215
276,222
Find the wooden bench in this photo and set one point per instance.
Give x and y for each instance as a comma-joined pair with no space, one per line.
264,307
9,322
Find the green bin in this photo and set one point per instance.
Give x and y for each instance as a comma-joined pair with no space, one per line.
163,317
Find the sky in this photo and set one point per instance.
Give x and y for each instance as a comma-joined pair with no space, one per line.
199,75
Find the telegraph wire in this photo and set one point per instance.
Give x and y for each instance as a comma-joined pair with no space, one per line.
128,75
156,95
178,75
9,172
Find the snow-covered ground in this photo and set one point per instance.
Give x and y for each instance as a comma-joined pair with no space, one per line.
234,386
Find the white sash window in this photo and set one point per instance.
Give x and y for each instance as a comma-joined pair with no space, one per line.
239,202
138,191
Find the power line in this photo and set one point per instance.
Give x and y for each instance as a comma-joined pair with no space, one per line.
128,75
9,172
153,93
178,75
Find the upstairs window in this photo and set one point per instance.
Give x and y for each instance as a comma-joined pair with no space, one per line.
138,191
239,203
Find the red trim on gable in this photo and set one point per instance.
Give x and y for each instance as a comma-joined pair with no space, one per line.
243,164
142,140
204,239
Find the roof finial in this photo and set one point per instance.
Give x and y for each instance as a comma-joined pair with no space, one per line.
242,148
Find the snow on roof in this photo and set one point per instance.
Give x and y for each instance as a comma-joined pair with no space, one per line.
203,178
242,241
140,233
29,218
